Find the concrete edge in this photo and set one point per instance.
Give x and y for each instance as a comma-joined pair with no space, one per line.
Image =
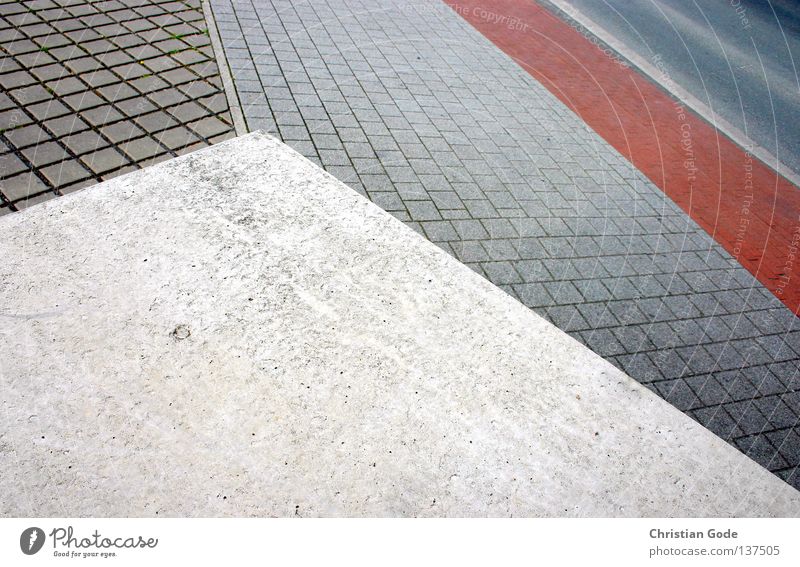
239,123
743,462
513,303
697,106
125,176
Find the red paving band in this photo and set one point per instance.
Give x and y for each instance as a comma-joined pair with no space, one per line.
748,208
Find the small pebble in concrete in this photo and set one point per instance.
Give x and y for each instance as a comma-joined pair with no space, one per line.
181,332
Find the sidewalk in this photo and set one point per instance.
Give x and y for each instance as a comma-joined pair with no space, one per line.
264,342
409,105
92,90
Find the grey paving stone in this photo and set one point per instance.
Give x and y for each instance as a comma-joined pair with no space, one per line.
500,250
144,85
66,86
737,385
210,126
564,292
501,273
104,160
593,290
389,200
777,413
769,383
470,230
499,228
533,271
747,417
142,149
21,186
786,442
639,364
566,317
155,121
333,157
598,316
17,79
678,393
438,231
49,72
27,136
717,420
82,64
469,251
45,154
187,111
708,390
178,137
65,125
84,142
121,131
136,106
22,204
422,210
65,173
533,294
470,138
117,91
633,338
82,101
10,164
698,360
760,449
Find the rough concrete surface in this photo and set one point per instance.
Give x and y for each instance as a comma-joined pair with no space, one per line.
236,333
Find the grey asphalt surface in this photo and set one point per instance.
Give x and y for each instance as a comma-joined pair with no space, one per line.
741,58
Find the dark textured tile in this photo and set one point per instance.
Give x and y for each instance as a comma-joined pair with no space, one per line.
85,56
65,172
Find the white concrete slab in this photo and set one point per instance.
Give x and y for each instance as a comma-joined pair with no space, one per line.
237,333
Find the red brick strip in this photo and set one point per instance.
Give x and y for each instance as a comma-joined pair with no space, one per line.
748,208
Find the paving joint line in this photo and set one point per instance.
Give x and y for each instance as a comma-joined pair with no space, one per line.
234,105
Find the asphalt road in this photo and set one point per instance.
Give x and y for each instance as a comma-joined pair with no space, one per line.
742,59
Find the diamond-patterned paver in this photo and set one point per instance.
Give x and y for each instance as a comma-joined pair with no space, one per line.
86,85
412,107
